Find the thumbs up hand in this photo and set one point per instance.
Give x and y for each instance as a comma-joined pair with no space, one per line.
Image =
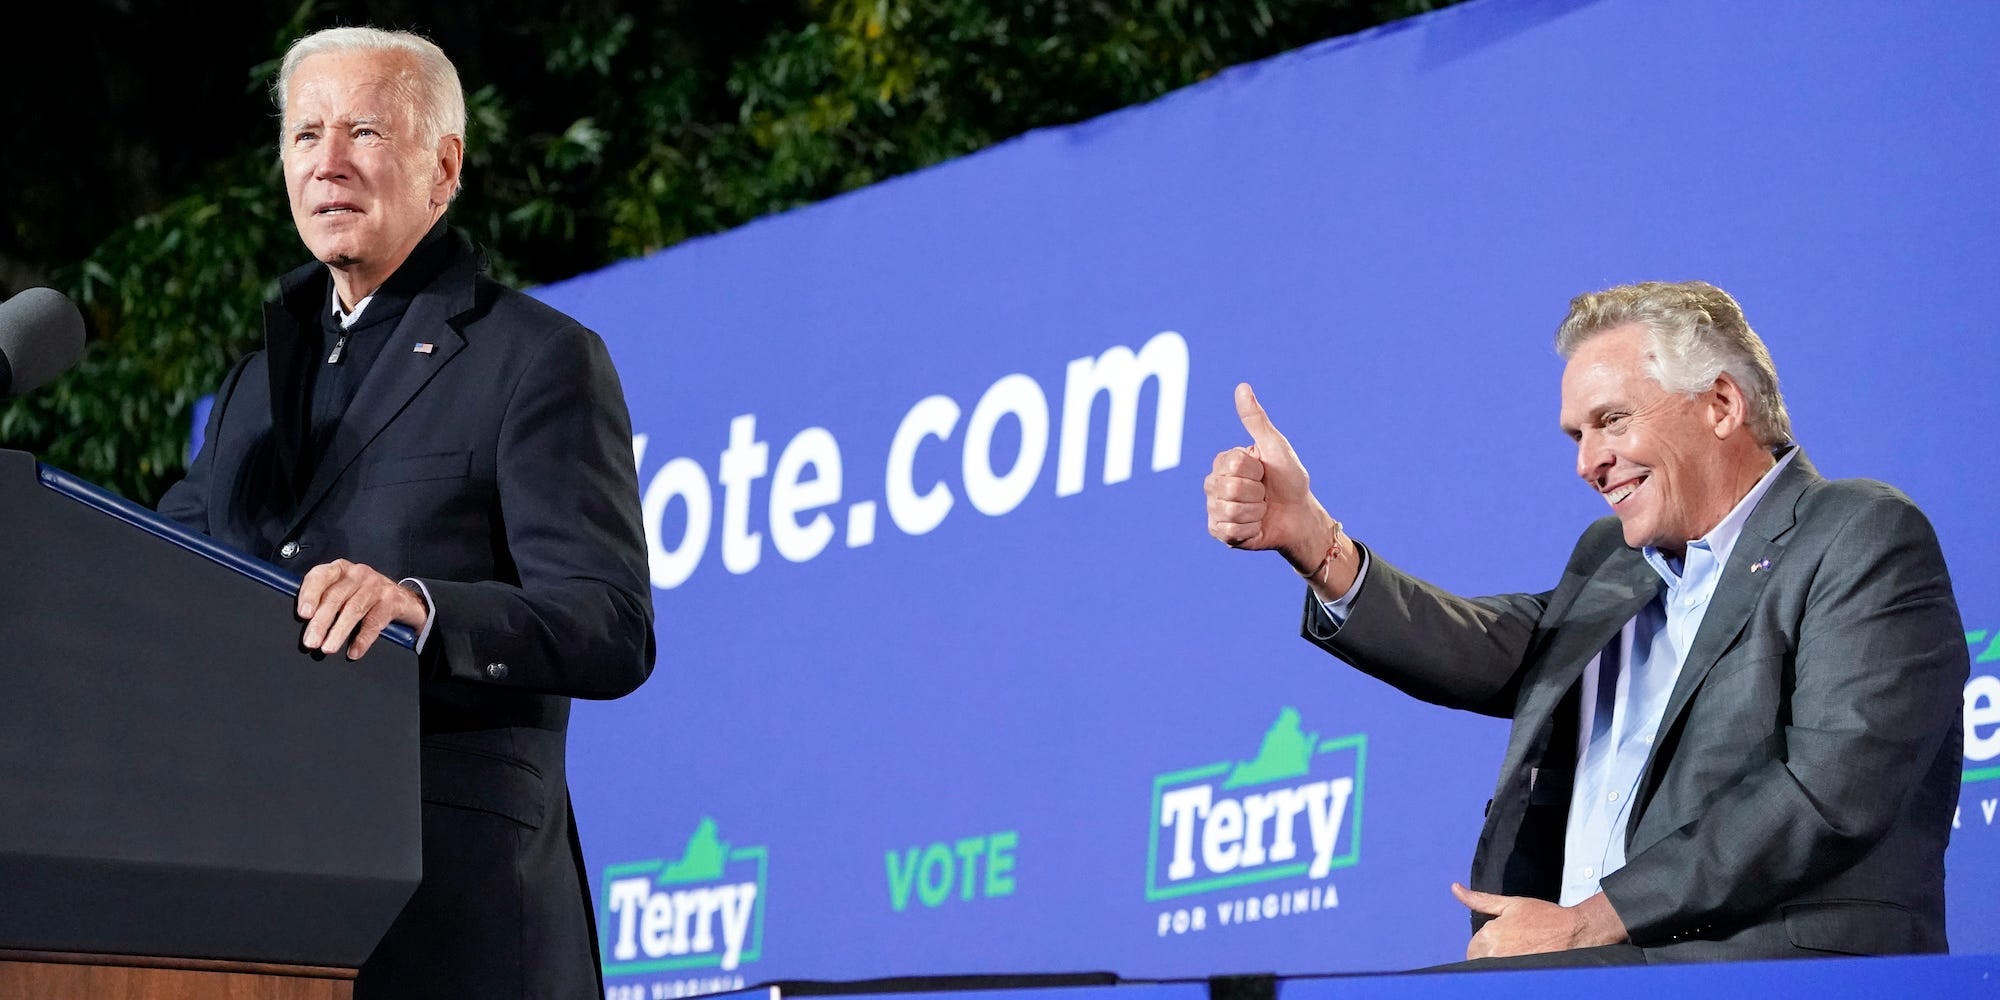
1260,497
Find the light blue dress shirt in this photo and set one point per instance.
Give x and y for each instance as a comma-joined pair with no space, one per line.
1625,692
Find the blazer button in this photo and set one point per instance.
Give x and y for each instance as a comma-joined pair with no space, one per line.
289,549
496,671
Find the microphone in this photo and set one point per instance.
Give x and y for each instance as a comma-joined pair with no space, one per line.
41,335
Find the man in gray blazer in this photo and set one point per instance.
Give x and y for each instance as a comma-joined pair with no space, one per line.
1736,716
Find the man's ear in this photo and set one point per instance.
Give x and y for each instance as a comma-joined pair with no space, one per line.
448,164
1726,406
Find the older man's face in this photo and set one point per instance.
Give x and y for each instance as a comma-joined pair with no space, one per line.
1654,456
364,184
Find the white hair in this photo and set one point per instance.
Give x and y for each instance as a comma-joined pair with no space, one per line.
1695,333
431,79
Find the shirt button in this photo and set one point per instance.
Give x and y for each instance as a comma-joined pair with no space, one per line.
1612,797
496,671
1590,873
289,549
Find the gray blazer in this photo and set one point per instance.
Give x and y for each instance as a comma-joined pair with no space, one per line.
1800,792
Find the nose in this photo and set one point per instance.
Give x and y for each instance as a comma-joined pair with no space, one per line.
1592,457
332,157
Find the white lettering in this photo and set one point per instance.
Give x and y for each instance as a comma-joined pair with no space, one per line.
656,930
813,448
1178,810
626,897
1119,374
682,478
736,907
744,462
991,493
1289,804
1326,820
809,477
1233,831
686,902
1257,811
706,903
657,924
918,513
1219,848
1982,710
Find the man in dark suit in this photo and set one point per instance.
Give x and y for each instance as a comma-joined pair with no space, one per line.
1736,728
447,453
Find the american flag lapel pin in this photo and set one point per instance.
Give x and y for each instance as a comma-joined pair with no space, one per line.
1755,566
422,348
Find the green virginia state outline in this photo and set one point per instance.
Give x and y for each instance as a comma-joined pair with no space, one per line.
1285,753
702,860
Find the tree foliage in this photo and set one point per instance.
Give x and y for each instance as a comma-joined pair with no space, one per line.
597,132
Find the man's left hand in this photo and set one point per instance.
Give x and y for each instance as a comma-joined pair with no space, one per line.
348,604
1523,925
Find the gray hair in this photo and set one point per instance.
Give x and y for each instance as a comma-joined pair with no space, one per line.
1696,332
430,79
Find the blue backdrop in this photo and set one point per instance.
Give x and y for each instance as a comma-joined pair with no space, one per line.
947,660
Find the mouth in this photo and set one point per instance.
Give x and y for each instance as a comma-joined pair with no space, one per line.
1620,493
334,208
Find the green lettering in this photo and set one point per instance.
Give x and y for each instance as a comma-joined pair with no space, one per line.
969,850
900,877
937,858
1000,862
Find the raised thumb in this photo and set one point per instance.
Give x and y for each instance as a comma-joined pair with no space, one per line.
1255,420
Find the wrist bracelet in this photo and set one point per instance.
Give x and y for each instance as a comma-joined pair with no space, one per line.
1332,546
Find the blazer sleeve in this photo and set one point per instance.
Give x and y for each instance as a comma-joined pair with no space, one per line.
580,622
186,502
1464,653
1878,672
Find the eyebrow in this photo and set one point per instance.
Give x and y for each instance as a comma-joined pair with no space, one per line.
1594,417
374,121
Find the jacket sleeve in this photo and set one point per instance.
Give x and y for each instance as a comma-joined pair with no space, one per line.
580,622
186,502
1458,652
1877,679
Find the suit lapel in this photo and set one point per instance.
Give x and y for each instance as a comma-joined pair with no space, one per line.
398,375
286,346
1611,597
1736,595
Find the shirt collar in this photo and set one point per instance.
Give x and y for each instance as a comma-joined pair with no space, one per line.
346,319
1721,539
416,271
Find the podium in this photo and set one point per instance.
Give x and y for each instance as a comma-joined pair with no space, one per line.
190,804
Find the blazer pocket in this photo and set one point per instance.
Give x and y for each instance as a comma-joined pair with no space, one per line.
487,782
1853,927
416,468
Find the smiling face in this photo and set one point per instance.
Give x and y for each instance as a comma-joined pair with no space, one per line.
1670,467
363,182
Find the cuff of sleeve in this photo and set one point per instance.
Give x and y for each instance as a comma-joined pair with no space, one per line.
1338,610
430,606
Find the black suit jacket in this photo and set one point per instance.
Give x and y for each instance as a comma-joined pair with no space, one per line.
1800,791
488,453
